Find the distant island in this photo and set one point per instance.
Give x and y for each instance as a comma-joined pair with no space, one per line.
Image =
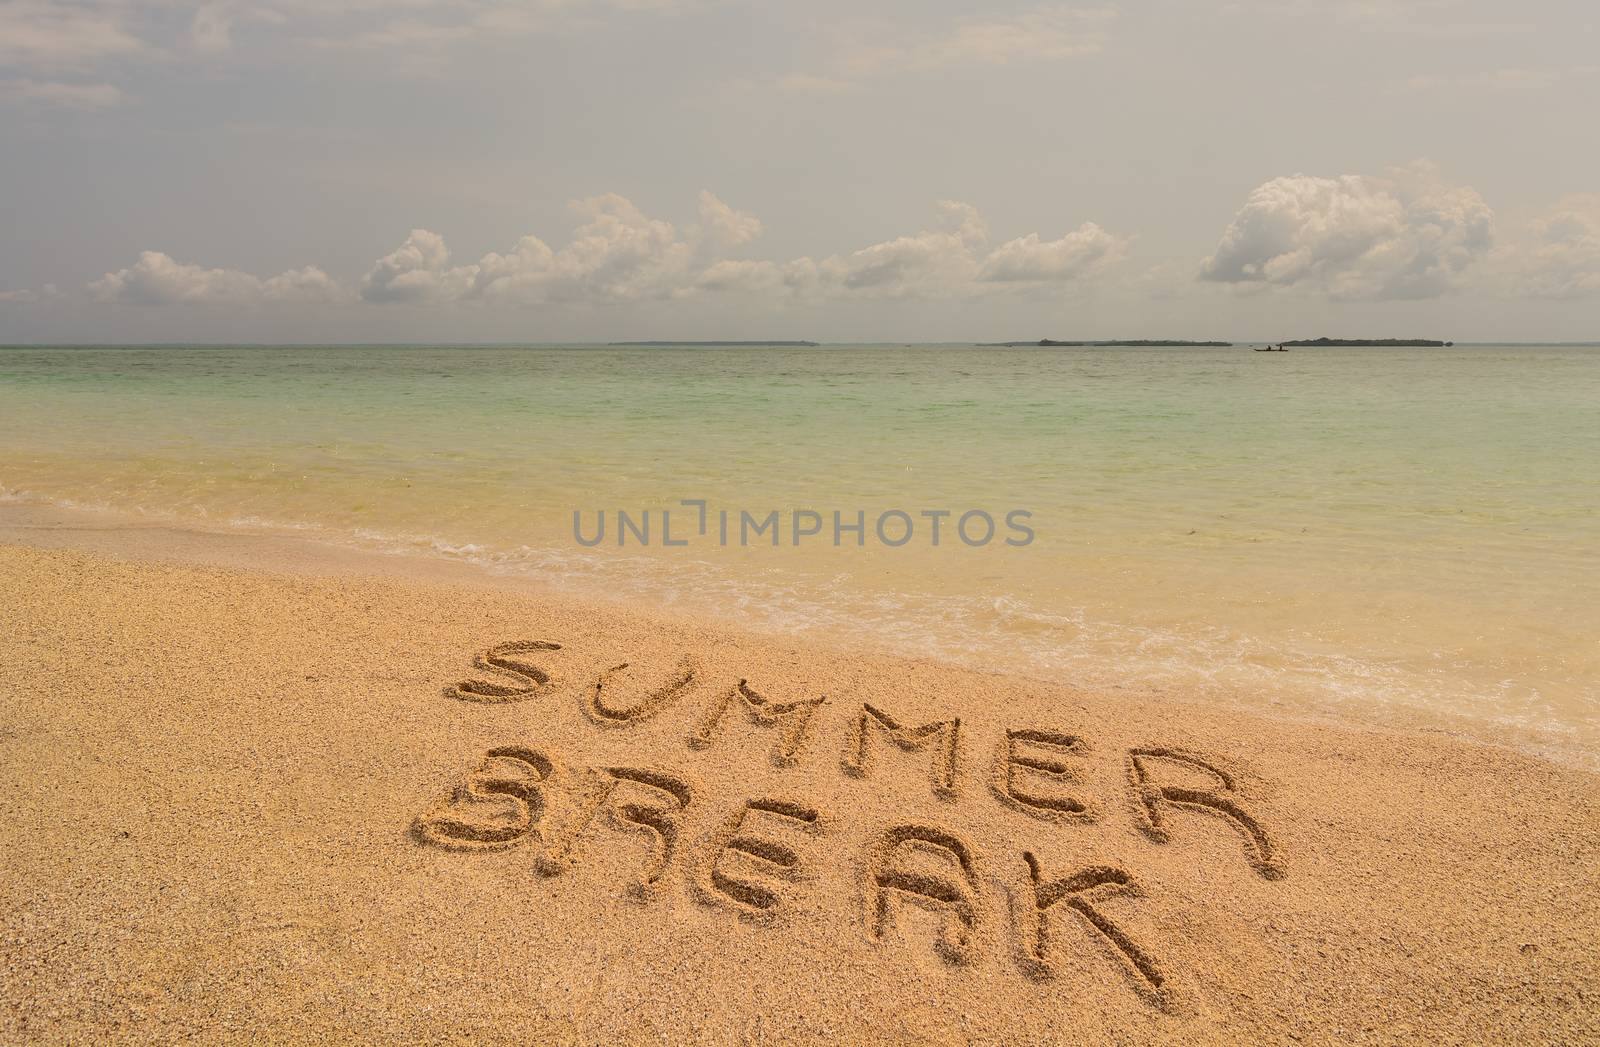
1131,342
713,343
1427,342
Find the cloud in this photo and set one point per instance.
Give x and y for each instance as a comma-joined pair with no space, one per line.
721,227
904,266
751,276
65,95
50,34
1406,236
1029,258
1043,34
957,261
910,266
307,285
620,254
416,271
617,253
47,293
952,261
157,279
1557,255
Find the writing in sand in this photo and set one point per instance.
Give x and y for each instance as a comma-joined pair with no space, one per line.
742,853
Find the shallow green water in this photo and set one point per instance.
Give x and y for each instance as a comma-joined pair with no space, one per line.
1403,526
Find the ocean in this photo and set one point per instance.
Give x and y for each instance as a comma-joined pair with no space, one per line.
1329,530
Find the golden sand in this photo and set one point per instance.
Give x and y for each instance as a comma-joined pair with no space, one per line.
298,806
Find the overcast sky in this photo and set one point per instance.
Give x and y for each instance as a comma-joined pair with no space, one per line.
467,170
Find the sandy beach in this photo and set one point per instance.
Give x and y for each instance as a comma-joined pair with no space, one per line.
258,795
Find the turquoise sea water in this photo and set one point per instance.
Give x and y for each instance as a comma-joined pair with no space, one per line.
1414,528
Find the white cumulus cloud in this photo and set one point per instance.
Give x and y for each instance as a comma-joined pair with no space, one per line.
1408,235
928,262
416,271
307,285
1030,258
957,261
1558,254
617,253
721,227
158,279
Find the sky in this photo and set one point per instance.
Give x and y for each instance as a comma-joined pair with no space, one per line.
599,170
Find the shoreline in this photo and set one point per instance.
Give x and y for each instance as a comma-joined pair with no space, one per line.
309,802
194,543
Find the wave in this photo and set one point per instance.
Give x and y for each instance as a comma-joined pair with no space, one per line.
1003,632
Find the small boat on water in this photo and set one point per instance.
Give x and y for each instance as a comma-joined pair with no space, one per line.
1271,349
